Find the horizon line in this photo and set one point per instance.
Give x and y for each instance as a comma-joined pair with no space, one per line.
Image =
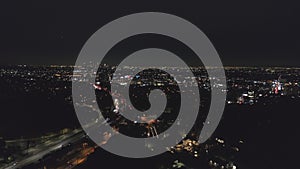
225,66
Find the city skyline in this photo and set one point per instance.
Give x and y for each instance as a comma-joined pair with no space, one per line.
257,97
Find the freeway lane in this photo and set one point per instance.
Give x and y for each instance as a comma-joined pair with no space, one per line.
45,150
41,150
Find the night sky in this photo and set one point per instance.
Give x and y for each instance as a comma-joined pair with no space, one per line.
253,33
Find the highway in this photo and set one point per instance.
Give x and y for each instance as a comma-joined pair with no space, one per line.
46,148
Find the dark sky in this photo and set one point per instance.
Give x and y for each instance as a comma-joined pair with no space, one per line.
245,33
